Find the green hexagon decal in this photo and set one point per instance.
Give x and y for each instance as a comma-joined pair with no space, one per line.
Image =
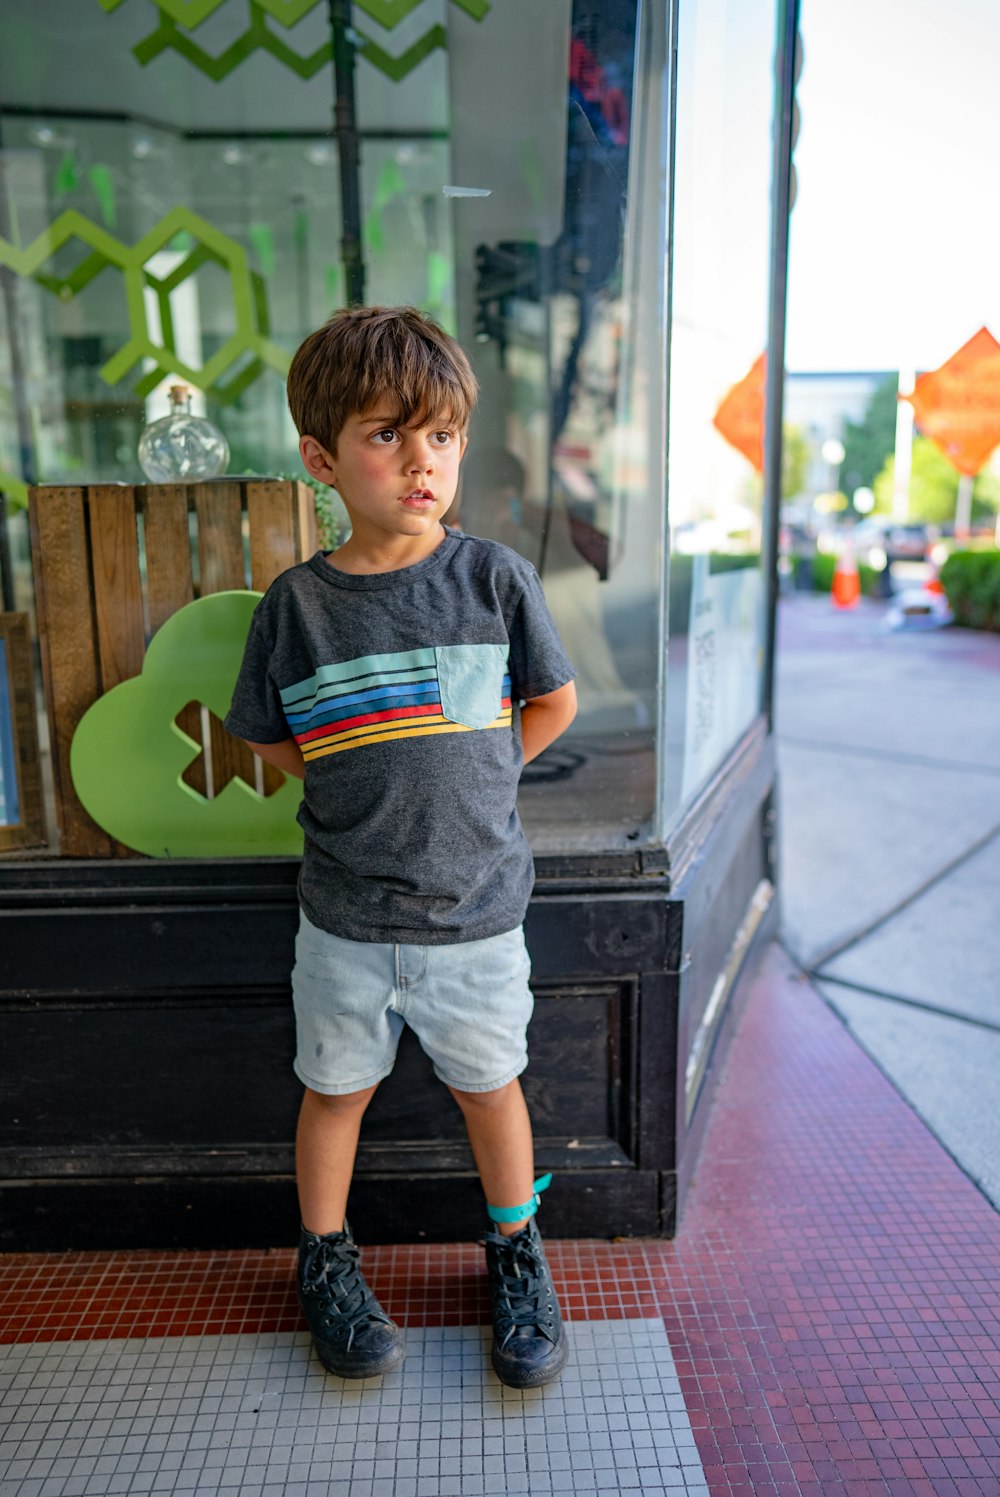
210,244
128,754
189,15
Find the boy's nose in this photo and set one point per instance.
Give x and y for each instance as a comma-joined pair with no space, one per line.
420,458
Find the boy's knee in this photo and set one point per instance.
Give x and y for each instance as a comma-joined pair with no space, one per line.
484,1101
345,1102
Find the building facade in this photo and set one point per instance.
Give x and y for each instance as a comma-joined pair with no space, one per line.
593,196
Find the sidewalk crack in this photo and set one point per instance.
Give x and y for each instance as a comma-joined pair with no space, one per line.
901,998
820,958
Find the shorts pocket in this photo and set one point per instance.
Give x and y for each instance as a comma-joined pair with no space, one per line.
471,682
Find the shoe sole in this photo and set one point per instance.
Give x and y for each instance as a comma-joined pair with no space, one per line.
532,1377
378,1368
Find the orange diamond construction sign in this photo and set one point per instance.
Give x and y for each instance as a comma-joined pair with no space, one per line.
958,405
740,417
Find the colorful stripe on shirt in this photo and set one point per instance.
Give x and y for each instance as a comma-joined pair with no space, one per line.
373,699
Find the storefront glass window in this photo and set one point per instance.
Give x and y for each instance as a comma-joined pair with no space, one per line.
719,328
172,203
500,169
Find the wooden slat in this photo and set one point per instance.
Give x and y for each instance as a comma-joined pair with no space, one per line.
29,831
231,757
273,531
305,514
114,549
274,536
220,560
68,641
282,519
114,555
169,583
220,537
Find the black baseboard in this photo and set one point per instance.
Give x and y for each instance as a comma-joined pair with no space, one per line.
261,1212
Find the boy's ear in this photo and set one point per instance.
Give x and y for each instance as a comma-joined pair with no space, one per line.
317,461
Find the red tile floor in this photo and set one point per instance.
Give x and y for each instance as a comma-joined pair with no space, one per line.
832,1300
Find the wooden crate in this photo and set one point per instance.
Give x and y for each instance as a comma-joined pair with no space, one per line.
112,562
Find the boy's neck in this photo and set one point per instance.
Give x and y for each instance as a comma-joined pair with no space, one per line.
368,553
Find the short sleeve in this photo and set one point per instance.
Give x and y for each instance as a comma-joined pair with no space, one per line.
538,662
255,712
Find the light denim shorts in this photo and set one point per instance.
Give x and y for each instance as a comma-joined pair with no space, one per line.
468,1003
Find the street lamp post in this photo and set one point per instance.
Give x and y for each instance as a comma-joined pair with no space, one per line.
903,459
833,453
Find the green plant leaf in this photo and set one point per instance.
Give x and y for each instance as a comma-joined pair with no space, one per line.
102,182
67,177
261,236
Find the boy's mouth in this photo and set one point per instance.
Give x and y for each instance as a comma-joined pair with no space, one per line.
418,499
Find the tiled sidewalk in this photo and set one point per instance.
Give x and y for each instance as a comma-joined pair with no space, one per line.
827,1322
256,1414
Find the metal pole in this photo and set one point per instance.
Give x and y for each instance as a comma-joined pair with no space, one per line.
301,220
345,129
903,460
22,413
787,40
7,601
963,507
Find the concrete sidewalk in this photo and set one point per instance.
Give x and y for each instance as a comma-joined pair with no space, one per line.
889,757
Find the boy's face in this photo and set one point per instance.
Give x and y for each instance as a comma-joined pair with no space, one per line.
394,480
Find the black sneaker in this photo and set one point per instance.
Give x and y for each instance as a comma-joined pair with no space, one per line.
352,1334
529,1343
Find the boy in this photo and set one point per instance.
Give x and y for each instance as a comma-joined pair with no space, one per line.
406,677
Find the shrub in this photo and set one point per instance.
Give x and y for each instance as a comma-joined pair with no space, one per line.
971,580
823,566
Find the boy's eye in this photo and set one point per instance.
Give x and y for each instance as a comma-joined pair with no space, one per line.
443,438
380,437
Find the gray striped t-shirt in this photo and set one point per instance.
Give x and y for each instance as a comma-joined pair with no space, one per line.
403,690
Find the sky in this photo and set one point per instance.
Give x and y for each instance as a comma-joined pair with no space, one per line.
895,235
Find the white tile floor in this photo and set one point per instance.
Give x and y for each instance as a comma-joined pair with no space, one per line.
257,1415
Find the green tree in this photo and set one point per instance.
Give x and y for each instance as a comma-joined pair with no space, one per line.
794,461
934,487
868,442
794,467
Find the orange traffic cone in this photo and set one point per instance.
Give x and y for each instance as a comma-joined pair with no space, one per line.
846,589
933,583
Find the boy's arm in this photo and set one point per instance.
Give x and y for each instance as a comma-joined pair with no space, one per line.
286,756
544,718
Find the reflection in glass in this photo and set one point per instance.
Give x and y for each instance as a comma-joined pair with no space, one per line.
567,322
719,326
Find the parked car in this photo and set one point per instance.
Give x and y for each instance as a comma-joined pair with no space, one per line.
908,542
880,542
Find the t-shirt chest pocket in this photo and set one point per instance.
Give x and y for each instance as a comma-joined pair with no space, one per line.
471,682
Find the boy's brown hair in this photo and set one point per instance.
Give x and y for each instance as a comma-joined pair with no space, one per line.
393,358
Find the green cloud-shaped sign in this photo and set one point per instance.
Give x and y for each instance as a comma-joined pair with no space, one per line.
128,754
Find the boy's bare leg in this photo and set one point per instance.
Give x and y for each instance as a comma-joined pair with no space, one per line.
500,1135
529,1346
326,1142
351,1332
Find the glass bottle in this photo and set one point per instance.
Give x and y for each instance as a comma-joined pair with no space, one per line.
182,447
